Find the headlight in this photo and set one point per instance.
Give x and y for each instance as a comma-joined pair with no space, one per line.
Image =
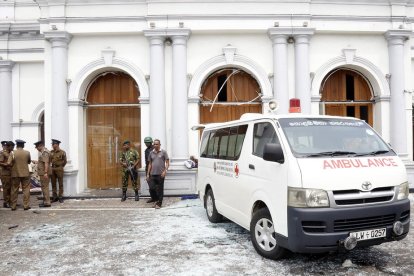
303,198
403,191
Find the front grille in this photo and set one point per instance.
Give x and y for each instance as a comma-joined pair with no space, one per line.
363,223
314,226
363,200
354,197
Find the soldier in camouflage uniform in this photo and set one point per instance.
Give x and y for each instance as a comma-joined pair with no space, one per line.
5,173
57,161
129,161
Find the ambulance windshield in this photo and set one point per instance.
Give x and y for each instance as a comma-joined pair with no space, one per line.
322,137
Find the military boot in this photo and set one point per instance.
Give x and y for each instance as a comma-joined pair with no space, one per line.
136,196
123,196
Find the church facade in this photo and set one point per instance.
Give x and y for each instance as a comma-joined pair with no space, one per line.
95,73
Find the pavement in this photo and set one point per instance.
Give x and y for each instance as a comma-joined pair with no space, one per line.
105,236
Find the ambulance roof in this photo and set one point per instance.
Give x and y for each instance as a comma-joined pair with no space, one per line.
248,117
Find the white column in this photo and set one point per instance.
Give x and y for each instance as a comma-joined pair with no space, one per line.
6,111
398,131
179,96
279,39
59,95
157,87
302,74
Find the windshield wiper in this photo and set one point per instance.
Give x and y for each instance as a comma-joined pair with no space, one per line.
373,152
331,153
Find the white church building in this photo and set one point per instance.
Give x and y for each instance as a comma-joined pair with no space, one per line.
94,73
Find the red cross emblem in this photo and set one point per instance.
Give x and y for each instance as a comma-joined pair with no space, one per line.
236,170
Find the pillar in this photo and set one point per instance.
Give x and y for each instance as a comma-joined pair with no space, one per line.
6,104
179,96
398,131
157,87
302,73
59,95
279,37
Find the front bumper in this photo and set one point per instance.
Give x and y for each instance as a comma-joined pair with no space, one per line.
312,230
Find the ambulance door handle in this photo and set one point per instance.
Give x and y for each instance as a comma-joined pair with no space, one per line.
251,166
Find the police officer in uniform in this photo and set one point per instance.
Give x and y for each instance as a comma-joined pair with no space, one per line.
19,159
57,161
5,173
129,161
42,171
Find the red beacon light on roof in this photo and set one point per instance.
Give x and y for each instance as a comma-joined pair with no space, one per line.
294,105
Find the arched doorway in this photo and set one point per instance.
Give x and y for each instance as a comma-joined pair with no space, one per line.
113,116
227,94
347,93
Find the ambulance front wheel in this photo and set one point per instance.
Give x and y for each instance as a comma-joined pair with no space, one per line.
212,214
262,233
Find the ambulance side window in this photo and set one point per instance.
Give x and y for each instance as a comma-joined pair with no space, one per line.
204,143
263,133
225,143
240,139
212,149
231,151
224,140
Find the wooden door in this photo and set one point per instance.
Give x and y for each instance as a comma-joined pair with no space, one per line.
113,116
347,93
227,94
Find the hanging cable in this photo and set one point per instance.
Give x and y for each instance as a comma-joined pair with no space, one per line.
218,92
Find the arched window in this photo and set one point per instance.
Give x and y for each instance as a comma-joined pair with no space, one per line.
347,93
227,94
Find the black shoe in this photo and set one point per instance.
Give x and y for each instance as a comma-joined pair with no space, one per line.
136,196
150,200
13,209
6,205
60,199
28,208
42,205
123,196
55,199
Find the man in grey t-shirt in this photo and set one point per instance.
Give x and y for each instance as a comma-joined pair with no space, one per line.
158,163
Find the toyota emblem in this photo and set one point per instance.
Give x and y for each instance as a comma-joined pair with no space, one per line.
366,186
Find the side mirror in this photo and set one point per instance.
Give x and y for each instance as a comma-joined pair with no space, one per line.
274,153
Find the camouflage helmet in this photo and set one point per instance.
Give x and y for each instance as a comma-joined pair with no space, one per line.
147,139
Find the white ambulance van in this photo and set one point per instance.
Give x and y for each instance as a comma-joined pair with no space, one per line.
306,184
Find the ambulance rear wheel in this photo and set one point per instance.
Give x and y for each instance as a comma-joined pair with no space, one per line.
262,233
211,210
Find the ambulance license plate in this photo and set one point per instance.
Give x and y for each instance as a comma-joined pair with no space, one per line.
369,234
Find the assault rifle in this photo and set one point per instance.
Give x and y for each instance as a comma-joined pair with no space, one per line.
132,171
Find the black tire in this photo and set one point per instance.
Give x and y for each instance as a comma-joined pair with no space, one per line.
263,236
211,211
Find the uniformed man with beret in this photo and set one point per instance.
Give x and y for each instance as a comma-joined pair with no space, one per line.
42,171
19,159
5,173
129,161
57,161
